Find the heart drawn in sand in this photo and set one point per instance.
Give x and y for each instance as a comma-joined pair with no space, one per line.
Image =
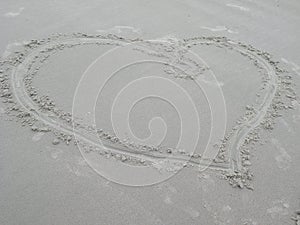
168,68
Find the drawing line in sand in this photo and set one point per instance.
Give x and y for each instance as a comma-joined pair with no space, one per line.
235,167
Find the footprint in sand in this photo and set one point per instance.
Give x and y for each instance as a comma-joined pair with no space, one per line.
168,200
283,160
14,14
279,209
37,136
192,212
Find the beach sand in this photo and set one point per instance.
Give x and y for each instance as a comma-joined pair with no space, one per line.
243,54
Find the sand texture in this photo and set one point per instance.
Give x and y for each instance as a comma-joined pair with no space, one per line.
149,113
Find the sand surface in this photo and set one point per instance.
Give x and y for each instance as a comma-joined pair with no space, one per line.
241,126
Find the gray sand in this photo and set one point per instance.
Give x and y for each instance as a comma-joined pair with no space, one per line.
45,179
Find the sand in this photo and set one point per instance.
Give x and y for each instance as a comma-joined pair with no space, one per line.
53,123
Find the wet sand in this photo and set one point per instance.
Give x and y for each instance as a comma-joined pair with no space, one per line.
41,133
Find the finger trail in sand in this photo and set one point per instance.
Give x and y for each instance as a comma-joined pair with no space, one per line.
24,103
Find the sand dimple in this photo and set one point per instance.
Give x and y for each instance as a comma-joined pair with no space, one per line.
220,29
279,209
242,8
28,106
283,159
37,136
14,14
192,212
